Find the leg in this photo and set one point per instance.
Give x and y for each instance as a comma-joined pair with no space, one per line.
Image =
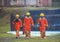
17,33
43,34
28,34
23,31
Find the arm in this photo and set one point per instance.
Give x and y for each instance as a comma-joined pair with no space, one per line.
20,22
46,22
24,22
32,22
13,21
39,22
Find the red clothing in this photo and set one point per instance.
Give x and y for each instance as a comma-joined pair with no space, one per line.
43,23
28,21
17,24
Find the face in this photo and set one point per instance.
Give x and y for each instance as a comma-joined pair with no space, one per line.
17,20
17,17
41,17
27,16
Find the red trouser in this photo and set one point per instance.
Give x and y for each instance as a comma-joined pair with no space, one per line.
17,29
27,30
43,30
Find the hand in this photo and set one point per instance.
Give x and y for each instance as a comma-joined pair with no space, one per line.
46,26
32,25
12,23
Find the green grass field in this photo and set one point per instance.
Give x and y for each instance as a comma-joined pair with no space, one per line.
5,27
4,37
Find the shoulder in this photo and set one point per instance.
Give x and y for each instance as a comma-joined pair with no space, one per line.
45,18
30,17
39,18
19,19
25,17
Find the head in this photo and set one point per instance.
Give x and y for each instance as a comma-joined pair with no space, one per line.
41,15
28,14
17,16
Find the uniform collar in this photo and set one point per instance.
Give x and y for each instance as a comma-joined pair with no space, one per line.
28,17
43,18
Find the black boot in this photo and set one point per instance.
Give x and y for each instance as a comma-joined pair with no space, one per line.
16,37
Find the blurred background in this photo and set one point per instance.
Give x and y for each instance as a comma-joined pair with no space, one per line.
8,9
51,8
34,3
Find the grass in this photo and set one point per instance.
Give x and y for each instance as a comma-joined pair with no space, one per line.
4,37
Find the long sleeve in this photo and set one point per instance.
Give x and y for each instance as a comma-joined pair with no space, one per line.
13,21
32,22
24,22
20,22
46,22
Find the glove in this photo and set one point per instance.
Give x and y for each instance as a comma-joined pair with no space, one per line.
46,26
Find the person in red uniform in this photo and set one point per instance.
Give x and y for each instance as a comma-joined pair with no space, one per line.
43,24
17,24
28,21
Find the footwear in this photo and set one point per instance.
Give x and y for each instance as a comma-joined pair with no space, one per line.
27,37
41,38
16,37
44,37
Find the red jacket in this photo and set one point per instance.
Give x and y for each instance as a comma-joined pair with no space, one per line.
43,23
28,21
17,24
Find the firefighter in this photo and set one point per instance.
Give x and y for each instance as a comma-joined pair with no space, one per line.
17,24
43,23
28,21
